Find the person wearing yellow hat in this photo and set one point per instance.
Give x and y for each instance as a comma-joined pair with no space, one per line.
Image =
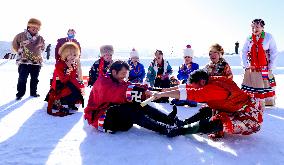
29,46
65,89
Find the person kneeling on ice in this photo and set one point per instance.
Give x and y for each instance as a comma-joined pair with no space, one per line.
229,109
114,105
65,87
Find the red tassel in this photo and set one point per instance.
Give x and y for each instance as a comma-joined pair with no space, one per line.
101,66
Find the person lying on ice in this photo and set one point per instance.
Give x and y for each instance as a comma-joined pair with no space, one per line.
229,109
114,105
65,87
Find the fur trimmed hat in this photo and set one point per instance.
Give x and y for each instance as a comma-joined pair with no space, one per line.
66,45
34,23
134,53
188,51
106,49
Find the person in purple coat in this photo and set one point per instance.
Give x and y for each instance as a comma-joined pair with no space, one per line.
137,71
183,74
70,38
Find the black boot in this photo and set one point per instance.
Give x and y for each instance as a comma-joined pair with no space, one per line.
173,114
151,124
204,113
210,127
203,126
174,119
72,107
160,116
189,129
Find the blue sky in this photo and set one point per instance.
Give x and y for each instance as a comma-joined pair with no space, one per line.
151,24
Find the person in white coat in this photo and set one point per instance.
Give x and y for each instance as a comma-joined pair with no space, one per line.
258,59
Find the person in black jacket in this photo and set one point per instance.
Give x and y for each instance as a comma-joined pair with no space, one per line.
101,66
47,50
237,47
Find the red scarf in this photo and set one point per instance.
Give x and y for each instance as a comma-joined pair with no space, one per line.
101,66
257,53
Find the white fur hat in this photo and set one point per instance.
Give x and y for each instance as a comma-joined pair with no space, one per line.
188,51
106,49
134,53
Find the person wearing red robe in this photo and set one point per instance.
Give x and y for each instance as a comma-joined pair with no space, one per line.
113,104
65,88
229,109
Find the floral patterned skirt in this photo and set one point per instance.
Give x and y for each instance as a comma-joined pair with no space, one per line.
245,121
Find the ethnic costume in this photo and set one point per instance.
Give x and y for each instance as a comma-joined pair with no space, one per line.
260,53
65,87
221,68
64,90
29,48
114,106
230,109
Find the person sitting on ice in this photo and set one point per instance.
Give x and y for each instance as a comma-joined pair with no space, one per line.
101,66
65,89
136,70
159,72
114,104
183,74
218,65
229,109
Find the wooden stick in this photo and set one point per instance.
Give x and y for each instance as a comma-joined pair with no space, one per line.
147,101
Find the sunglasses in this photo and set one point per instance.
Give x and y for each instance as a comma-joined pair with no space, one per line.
187,57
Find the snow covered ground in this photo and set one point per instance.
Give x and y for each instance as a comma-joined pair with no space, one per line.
29,136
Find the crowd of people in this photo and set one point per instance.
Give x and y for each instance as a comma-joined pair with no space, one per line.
119,87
